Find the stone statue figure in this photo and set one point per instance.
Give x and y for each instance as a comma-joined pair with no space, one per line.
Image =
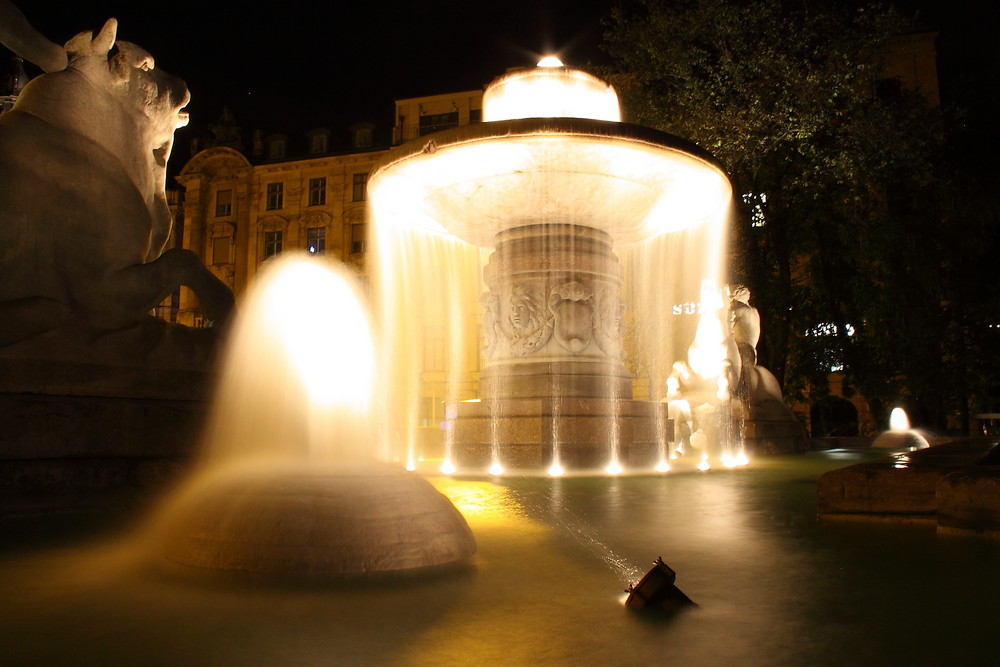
744,323
756,385
84,219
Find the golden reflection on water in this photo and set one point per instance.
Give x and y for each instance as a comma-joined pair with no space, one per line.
773,588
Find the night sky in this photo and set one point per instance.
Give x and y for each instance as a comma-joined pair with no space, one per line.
312,63
291,65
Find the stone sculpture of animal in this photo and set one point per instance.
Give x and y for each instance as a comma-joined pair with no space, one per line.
83,211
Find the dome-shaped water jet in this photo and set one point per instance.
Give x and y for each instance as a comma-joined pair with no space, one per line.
291,484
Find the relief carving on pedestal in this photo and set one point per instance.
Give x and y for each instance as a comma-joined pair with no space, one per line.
572,308
515,322
610,316
525,324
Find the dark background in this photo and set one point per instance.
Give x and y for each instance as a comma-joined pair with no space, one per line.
292,65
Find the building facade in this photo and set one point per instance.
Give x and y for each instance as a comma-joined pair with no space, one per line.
237,212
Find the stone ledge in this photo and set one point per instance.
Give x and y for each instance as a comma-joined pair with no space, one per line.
968,502
953,484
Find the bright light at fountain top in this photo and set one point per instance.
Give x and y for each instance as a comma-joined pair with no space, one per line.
550,90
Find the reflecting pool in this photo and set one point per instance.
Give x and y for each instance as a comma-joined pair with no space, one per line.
773,585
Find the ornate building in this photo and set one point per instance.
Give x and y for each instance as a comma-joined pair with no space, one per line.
237,211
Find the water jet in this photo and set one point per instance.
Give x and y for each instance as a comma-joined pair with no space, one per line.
291,483
543,228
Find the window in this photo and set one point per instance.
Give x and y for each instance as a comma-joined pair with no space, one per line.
362,137
318,144
438,121
360,186
223,203
316,240
272,243
317,191
276,148
475,115
359,232
220,249
275,196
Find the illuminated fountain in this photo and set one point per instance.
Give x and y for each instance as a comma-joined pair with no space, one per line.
567,240
901,435
290,484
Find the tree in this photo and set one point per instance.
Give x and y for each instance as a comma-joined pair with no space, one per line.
836,231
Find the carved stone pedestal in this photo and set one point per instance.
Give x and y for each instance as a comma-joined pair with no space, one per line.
582,433
554,385
553,320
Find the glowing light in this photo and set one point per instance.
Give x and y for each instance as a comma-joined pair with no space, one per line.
741,459
315,313
447,468
722,393
550,61
902,462
474,186
312,370
703,465
707,355
556,470
614,468
496,469
411,466
663,466
898,421
550,91
728,461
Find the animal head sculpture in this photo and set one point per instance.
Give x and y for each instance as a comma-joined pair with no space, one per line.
128,74
83,210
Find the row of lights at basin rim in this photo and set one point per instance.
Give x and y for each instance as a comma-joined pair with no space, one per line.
729,461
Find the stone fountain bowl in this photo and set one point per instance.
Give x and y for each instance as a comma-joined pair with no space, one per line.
477,180
347,521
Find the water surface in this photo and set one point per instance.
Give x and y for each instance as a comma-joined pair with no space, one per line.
773,586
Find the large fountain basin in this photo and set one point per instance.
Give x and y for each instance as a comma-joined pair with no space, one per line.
302,520
477,180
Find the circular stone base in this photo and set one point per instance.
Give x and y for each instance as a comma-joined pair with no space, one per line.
351,521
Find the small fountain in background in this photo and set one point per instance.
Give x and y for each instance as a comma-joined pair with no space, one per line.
290,483
900,434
